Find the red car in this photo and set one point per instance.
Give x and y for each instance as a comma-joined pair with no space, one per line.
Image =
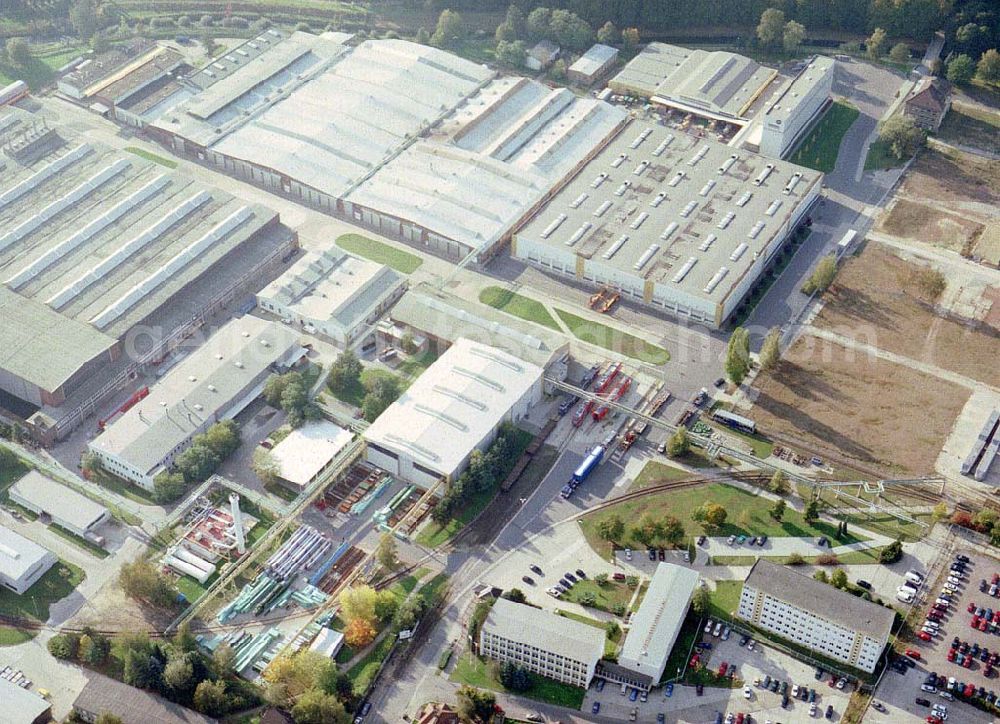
951,654
934,720
983,624
934,615
971,608
967,661
975,622
912,653
739,718
923,636
722,668
969,690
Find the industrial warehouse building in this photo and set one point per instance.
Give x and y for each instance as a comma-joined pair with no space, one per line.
453,408
592,65
21,706
307,452
411,141
333,294
97,241
555,647
104,695
790,114
655,626
810,613
64,506
216,382
683,224
714,84
22,562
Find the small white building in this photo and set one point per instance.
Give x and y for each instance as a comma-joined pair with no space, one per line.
328,642
790,115
824,619
542,55
22,562
308,451
453,408
333,294
67,508
552,646
593,64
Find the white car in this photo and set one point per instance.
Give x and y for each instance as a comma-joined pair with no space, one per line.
717,631
955,578
841,683
747,692
628,554
904,597
813,709
928,688
929,631
553,592
708,626
725,633
750,645
932,624
946,695
795,691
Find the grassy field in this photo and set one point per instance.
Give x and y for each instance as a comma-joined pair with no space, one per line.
14,636
610,597
725,599
126,490
820,148
143,153
518,305
690,630
654,473
398,259
880,156
40,69
971,126
362,673
471,670
612,339
748,515
57,583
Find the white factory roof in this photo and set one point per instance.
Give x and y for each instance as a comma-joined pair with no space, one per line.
594,59
454,405
332,286
655,626
674,209
545,630
787,102
715,81
306,450
60,502
21,706
18,555
198,389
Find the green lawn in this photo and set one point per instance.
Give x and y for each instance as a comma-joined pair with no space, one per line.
654,473
471,670
124,489
519,306
401,261
690,630
612,339
362,673
193,590
748,515
57,583
863,557
13,636
880,156
143,153
819,149
612,595
415,365
971,127
725,599
87,545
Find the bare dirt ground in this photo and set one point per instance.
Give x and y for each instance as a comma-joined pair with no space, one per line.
910,220
875,412
870,304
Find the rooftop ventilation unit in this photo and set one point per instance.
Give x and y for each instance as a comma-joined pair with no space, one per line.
726,220
605,205
669,231
643,165
706,189
702,152
620,191
550,229
646,256
599,180
687,210
773,208
755,231
578,234
683,271
790,186
714,281
239,364
619,160
744,199
640,138
579,200
706,245
658,200
638,220
738,251
762,176
663,145
728,163
614,248
676,179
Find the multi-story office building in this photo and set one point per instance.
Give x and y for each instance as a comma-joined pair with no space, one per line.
826,620
555,647
790,114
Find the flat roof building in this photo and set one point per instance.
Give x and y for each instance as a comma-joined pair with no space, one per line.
333,294
716,83
789,116
215,382
21,706
813,614
593,64
103,695
552,646
22,562
654,628
682,224
453,408
67,508
307,452
328,642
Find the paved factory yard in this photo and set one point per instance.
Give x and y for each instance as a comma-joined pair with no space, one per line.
848,403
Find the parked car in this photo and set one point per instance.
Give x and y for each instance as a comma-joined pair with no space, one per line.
536,569
864,584
529,580
596,708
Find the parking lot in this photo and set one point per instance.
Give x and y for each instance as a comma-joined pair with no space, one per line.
900,692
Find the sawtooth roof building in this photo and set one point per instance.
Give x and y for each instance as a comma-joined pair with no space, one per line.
683,224
95,241
716,83
456,406
409,140
22,562
215,382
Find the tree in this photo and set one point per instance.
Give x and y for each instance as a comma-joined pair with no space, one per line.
223,659
476,705
184,640
770,350
671,530
358,602
143,669
770,29
345,373
710,514
679,444
611,528
838,579
821,576
875,45
265,466
383,390
901,134
514,677
738,355
647,530
794,559
210,698
178,674
450,30
778,509
83,17
601,579
290,676
359,633
337,683
811,513
197,463
630,38
423,37
701,601
141,580
899,53
558,70
512,53
960,69
18,52
823,275
891,553
779,483
608,34
317,707
64,646
168,487
570,30
940,512
988,68
612,629
208,41
539,24
387,552
792,36
516,595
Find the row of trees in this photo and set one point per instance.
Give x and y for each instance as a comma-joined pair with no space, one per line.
309,685
485,471
961,68
199,461
649,530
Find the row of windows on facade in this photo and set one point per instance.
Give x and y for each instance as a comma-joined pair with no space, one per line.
517,649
